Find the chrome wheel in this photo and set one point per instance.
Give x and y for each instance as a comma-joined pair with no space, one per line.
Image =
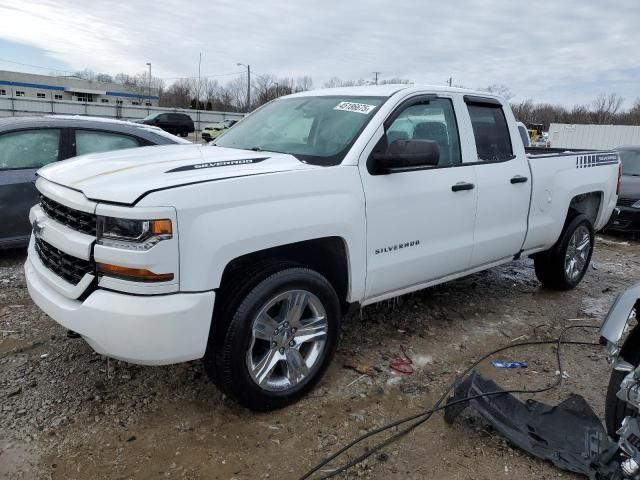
577,255
288,338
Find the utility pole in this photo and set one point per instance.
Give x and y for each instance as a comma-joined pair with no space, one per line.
277,85
376,74
248,84
198,95
450,81
149,64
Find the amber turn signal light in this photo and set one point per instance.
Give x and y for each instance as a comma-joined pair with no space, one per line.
160,227
134,274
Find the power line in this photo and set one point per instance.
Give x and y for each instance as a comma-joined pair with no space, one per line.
35,66
76,71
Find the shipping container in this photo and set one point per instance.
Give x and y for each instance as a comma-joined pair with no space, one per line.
596,137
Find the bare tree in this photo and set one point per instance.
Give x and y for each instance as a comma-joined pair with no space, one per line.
104,77
523,111
237,89
303,84
333,82
86,74
605,107
394,81
124,79
264,88
499,89
177,95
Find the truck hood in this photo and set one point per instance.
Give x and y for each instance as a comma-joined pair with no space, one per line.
123,176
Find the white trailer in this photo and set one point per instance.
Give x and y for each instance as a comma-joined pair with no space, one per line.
597,137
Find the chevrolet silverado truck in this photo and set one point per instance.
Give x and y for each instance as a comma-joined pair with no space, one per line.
248,252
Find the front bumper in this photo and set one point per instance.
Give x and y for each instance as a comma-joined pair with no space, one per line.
143,329
618,317
627,220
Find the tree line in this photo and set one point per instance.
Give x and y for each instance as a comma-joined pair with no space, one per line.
231,96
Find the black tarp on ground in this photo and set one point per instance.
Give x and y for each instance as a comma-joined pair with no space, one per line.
570,434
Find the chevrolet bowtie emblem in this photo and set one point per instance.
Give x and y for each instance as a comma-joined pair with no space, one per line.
37,228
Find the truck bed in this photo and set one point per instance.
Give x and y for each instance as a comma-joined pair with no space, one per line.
533,152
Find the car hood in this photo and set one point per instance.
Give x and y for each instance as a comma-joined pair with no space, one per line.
123,176
630,186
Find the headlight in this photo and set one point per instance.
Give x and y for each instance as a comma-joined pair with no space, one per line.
132,234
636,205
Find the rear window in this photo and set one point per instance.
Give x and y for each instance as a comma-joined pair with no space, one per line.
491,132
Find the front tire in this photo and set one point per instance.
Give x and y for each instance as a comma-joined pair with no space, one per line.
565,264
279,339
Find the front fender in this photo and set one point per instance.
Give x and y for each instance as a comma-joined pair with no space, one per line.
618,317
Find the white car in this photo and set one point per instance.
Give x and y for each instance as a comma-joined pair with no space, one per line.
249,253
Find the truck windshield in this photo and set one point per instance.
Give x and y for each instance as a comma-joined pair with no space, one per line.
630,162
317,130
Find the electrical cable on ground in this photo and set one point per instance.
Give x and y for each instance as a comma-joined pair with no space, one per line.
427,414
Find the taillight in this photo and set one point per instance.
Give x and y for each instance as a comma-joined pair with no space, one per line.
619,178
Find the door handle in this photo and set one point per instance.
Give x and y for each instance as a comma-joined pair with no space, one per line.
519,179
462,186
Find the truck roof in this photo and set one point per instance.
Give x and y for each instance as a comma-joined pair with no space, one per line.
389,90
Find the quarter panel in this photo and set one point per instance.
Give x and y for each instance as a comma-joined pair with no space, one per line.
556,181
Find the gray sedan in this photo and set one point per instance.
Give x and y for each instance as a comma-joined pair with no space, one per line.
28,143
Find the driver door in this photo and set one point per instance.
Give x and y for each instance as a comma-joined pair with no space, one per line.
420,221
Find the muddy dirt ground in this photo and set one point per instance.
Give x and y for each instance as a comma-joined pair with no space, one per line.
68,413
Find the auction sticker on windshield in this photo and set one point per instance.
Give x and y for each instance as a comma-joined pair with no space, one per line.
355,107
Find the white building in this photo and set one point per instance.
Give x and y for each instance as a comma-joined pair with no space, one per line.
45,87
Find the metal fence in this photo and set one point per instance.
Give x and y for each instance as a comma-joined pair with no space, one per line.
18,106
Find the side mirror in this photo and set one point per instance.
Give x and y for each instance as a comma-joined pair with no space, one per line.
407,155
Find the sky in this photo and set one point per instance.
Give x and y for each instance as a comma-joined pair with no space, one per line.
557,51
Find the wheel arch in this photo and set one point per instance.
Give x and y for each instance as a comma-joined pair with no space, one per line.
329,256
589,204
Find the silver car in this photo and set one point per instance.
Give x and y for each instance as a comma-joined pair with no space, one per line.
28,143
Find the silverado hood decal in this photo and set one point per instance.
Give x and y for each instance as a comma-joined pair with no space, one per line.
123,176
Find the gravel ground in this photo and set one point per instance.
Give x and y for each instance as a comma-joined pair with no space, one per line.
68,413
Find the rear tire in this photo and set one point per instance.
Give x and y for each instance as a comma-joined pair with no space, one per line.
564,265
277,336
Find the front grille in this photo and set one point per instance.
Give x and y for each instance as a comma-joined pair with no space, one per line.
626,202
71,268
74,219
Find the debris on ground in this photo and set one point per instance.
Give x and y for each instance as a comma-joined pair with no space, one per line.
508,364
569,434
360,367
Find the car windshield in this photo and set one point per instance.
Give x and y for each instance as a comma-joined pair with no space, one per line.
317,130
630,162
151,117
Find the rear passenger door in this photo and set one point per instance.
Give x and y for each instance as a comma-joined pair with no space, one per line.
95,141
22,153
504,183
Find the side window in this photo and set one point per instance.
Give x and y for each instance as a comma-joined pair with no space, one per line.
491,132
93,142
429,120
177,118
29,148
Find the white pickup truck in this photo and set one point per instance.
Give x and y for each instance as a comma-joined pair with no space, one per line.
248,252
